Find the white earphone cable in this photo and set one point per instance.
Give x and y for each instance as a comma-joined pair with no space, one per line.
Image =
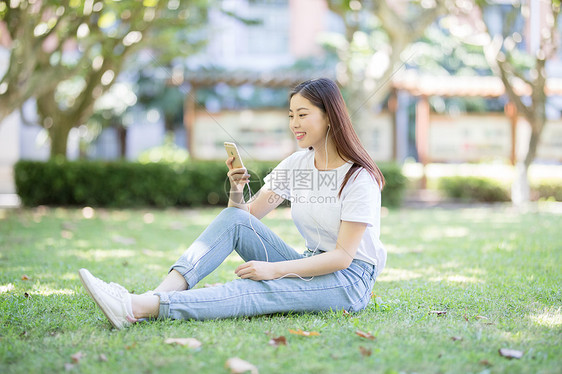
317,230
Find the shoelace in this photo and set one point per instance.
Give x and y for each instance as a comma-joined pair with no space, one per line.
112,288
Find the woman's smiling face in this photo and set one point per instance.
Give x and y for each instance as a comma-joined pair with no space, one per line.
307,122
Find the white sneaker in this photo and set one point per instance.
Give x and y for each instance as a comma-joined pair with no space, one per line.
113,299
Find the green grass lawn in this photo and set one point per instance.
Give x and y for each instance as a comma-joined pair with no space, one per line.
495,272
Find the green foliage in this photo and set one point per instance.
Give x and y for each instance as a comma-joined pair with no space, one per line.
393,192
66,82
439,52
126,184
118,184
473,189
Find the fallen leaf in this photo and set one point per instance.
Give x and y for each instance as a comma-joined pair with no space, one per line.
102,357
177,225
465,317
25,277
148,218
68,226
485,362
123,240
65,234
77,357
304,333
186,342
128,347
510,353
281,340
481,317
365,335
365,352
438,312
455,338
238,366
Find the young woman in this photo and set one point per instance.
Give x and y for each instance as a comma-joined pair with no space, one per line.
334,188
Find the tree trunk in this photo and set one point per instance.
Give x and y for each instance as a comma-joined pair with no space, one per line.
521,189
63,120
9,102
533,145
59,139
122,135
5,111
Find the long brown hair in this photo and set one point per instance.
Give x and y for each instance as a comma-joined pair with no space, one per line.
325,94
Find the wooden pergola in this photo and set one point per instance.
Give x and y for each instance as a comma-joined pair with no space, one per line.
454,86
421,86
234,79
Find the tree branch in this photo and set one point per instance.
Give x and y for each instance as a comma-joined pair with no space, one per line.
427,18
502,68
341,10
395,25
516,99
519,74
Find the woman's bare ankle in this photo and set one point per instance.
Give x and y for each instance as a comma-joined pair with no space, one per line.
174,281
145,306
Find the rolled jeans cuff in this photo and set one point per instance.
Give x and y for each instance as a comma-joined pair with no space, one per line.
187,271
164,307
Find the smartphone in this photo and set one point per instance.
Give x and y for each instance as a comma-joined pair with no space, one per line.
232,150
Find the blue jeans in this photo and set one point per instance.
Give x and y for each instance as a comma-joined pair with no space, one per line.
348,289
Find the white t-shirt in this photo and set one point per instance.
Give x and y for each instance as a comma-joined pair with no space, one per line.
316,209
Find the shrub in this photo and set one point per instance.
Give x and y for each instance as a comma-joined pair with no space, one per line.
127,184
393,192
473,189
548,189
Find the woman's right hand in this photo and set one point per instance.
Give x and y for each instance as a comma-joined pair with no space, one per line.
238,177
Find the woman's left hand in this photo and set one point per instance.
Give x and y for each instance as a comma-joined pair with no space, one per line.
256,270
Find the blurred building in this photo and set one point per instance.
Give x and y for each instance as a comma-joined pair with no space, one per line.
287,30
